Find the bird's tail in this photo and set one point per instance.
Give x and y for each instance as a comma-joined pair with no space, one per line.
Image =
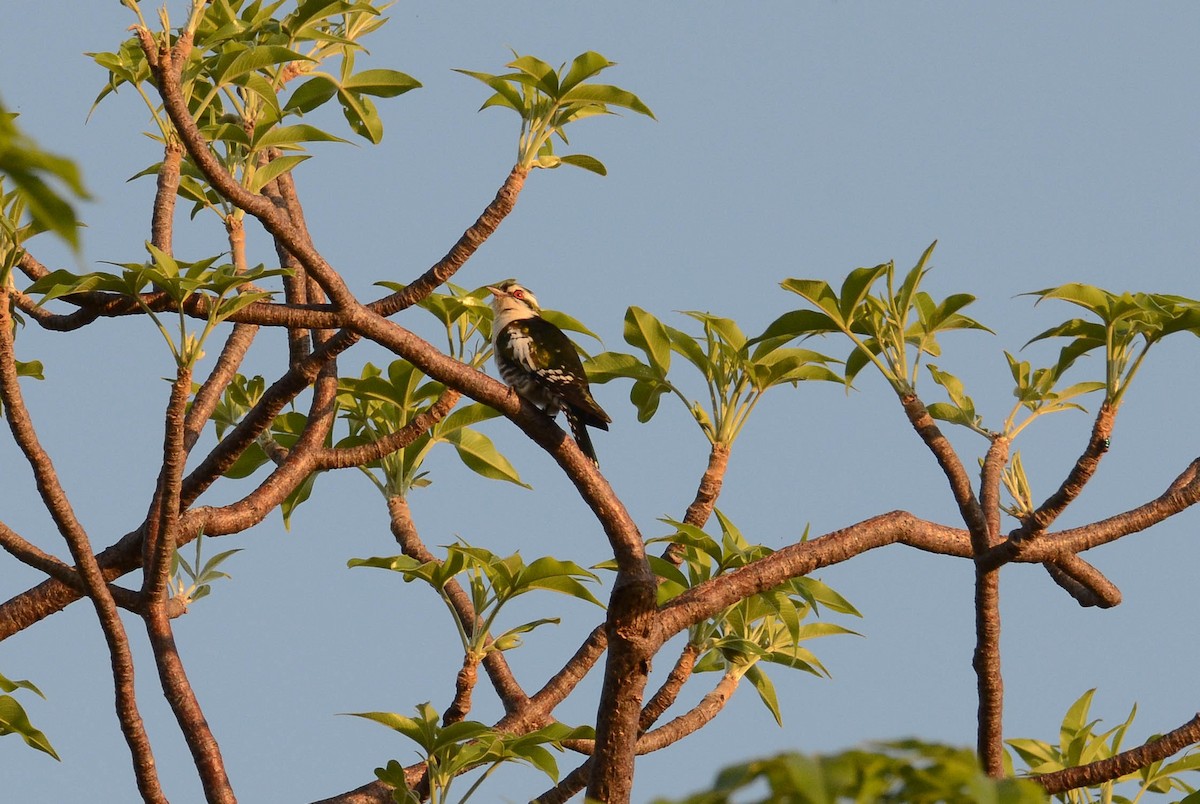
580,433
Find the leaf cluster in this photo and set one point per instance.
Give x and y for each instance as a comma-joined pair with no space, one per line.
192,580
892,327
737,370
548,100
228,288
491,581
450,751
1128,325
375,405
766,627
1080,743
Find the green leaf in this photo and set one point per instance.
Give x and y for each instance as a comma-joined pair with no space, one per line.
293,501
9,685
645,332
645,396
13,720
583,67
481,456
362,116
586,162
609,96
855,289
544,76
466,416
381,83
282,136
254,59
312,93
608,366
820,295
766,691
273,169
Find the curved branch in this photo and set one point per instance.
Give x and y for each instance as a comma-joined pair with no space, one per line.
897,527
1083,582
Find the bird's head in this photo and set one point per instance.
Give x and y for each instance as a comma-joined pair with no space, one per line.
511,301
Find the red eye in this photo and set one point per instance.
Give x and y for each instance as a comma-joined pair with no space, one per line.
518,294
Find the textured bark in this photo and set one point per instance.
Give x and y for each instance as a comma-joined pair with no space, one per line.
162,217
989,682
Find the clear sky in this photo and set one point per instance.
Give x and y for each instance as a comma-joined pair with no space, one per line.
1039,143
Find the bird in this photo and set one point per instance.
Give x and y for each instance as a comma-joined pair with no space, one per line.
538,361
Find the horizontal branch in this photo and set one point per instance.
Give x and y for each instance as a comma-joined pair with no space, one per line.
1183,493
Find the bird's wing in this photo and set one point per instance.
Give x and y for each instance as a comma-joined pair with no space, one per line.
558,365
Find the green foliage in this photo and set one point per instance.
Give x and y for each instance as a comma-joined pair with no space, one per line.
1079,744
193,580
492,582
737,371
907,772
1035,392
374,406
767,627
41,183
242,61
449,751
883,325
227,288
549,100
1129,324
14,720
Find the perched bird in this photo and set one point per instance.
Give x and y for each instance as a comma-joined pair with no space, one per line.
541,364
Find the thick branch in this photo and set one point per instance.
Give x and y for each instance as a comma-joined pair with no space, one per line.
162,219
177,690
986,660
898,527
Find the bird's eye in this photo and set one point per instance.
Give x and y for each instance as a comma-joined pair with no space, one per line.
518,294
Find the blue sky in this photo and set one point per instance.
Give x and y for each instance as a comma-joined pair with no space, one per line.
1038,143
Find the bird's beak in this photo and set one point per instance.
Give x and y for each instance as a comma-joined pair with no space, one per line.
497,292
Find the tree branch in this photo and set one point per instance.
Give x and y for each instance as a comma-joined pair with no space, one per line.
986,660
